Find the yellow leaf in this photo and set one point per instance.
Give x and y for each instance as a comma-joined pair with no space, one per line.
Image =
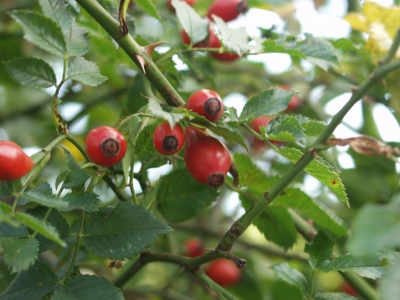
357,22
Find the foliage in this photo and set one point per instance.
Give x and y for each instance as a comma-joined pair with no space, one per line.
71,229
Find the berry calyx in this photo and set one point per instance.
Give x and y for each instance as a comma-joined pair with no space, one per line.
194,247
223,271
214,42
168,141
105,146
14,162
227,10
206,103
207,159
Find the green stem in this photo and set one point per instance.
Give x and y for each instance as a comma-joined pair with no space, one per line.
114,188
360,285
78,146
78,238
44,219
246,219
134,51
214,286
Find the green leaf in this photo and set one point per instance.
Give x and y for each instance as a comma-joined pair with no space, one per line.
317,50
281,126
84,71
77,177
345,45
123,231
376,227
43,195
58,10
129,127
191,21
31,72
32,284
229,135
266,103
313,127
320,249
291,276
389,284
321,170
83,287
5,212
271,46
77,40
150,8
180,197
85,201
41,31
19,254
274,222
7,230
333,296
41,226
234,39
157,111
368,265
144,144
312,209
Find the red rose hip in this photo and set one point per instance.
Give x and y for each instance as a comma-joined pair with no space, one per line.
172,9
194,247
105,146
227,10
223,271
168,141
14,162
214,42
206,103
207,159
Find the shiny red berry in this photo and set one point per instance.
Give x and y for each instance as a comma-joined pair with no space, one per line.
295,102
223,271
172,9
214,42
207,159
168,141
206,103
255,125
194,247
227,10
14,162
105,146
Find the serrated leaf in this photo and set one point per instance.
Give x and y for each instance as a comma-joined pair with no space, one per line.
180,197
368,265
71,163
313,210
41,31
274,222
5,212
191,21
320,249
60,178
333,296
281,127
321,170
75,179
32,284
389,284
150,8
84,71
83,287
6,189
42,227
144,144
313,127
157,111
19,254
229,135
85,201
291,276
58,10
345,45
77,40
7,230
129,127
123,231
234,39
317,50
266,103
376,227
271,46
43,195
31,72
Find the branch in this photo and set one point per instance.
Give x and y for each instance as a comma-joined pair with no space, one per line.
135,52
246,219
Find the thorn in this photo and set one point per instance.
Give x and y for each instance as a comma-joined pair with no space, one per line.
141,61
150,48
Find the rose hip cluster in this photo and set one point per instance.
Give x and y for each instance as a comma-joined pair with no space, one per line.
227,10
222,271
207,159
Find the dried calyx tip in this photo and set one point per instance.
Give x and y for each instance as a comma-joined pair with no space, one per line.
110,147
215,180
